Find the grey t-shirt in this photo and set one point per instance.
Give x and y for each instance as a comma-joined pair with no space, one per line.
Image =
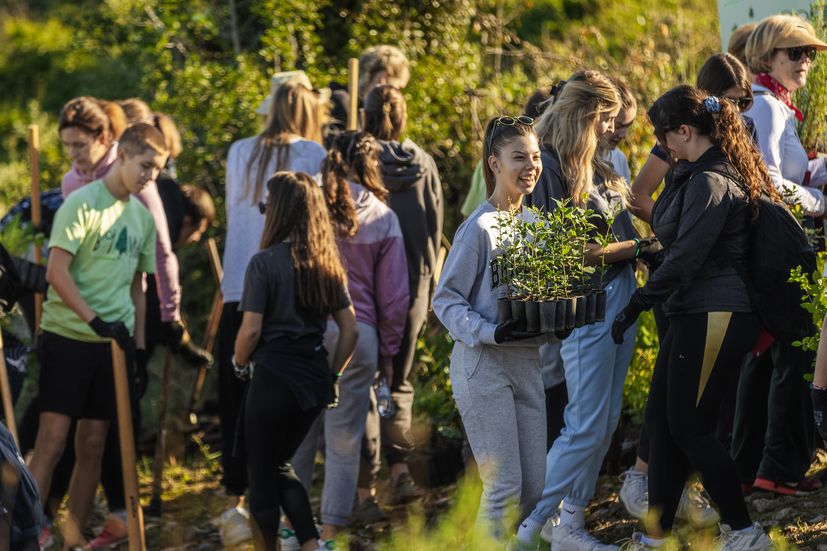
290,345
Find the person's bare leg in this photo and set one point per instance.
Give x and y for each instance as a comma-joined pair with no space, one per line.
234,501
641,466
310,545
48,448
90,439
365,493
398,469
329,531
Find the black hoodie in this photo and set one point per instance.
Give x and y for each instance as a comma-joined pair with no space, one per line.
412,179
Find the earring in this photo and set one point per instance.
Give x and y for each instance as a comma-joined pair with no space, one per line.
686,139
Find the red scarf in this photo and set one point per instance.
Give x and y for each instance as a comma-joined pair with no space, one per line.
778,91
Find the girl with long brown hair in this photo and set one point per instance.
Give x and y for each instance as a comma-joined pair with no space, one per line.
290,141
290,288
371,246
703,221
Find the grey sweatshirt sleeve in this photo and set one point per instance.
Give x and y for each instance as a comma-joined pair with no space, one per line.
705,211
451,300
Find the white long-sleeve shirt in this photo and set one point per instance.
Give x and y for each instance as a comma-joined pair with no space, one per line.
244,221
786,160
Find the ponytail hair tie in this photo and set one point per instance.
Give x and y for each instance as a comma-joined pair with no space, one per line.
386,108
712,105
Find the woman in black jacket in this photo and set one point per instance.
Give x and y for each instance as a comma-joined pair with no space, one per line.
703,221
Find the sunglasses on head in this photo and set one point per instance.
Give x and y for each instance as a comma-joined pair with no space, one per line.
795,53
743,104
508,121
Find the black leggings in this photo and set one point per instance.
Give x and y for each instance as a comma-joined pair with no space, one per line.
274,428
697,361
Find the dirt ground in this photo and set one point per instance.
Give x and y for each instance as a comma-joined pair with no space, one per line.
193,500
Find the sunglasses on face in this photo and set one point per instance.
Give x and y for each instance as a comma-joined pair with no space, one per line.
508,121
743,104
795,53
262,207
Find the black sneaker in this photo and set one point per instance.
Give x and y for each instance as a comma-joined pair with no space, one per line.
367,512
404,490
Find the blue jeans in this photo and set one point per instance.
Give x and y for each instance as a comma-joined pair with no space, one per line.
595,370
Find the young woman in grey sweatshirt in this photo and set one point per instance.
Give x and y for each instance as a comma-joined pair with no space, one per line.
495,370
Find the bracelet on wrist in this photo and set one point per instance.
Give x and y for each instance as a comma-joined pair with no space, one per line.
637,246
817,387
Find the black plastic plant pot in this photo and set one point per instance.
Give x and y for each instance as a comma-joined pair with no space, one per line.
518,313
571,310
532,316
591,308
548,312
580,311
503,309
560,315
600,306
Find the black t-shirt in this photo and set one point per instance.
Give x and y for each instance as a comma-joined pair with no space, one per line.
173,200
290,345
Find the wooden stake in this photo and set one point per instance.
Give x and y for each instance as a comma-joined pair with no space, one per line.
353,90
134,513
34,162
5,390
212,327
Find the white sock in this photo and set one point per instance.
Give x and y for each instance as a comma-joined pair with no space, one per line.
528,529
650,541
572,515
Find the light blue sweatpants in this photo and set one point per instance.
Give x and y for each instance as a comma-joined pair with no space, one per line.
595,370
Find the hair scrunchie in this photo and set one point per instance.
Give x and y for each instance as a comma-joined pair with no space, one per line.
386,108
712,105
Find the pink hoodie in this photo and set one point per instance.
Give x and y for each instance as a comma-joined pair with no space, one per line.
166,272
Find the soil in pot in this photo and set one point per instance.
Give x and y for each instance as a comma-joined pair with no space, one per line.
571,309
580,311
600,306
518,313
532,316
548,312
591,308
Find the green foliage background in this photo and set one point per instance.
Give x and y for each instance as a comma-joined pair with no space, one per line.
208,66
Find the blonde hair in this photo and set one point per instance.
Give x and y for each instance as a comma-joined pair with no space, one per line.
738,41
763,41
569,127
294,110
382,58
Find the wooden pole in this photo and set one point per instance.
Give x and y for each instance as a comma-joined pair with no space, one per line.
212,327
5,390
353,90
34,162
155,503
134,513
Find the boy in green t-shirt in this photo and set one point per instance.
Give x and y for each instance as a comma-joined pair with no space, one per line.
102,240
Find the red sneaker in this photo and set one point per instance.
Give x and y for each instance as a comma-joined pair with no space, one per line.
783,488
114,532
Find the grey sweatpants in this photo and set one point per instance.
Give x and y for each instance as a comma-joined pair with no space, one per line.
500,396
344,426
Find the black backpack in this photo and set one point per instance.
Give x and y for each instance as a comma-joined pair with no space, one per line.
777,245
27,515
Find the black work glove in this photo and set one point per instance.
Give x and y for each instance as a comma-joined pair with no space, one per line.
335,380
627,317
115,330
141,373
243,371
651,252
819,397
505,332
177,338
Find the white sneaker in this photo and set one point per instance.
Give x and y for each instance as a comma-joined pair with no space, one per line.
548,528
326,545
696,508
568,538
635,493
288,540
743,540
234,526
